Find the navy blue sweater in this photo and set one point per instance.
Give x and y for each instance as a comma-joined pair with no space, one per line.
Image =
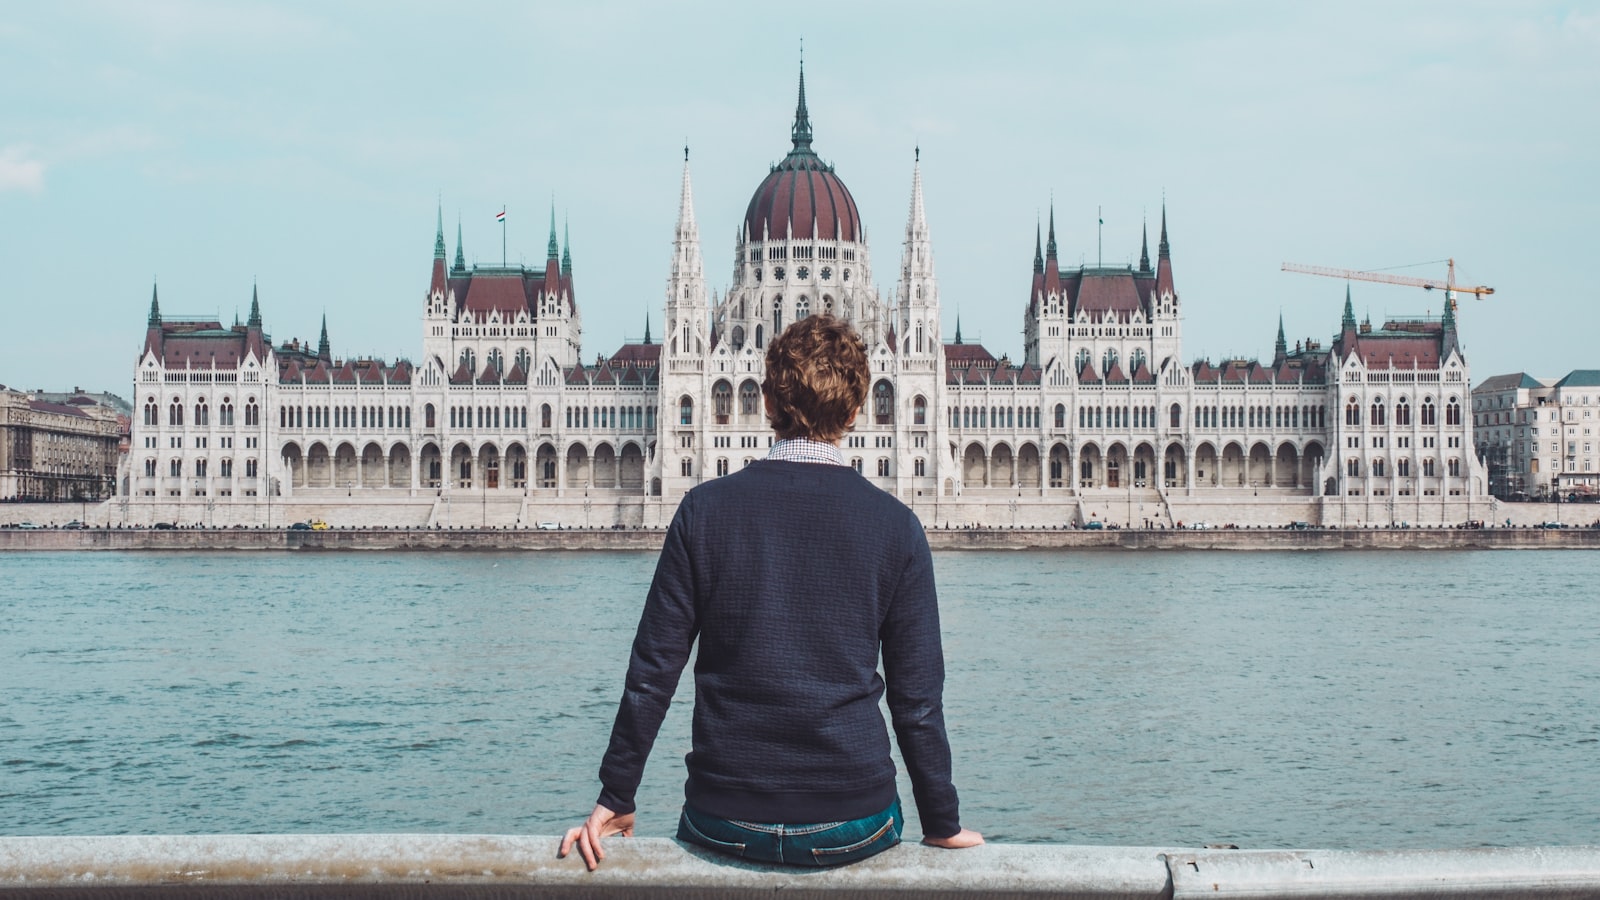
792,575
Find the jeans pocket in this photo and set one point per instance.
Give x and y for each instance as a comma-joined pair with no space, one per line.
880,840
688,832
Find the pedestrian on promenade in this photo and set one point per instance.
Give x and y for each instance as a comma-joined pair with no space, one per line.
794,574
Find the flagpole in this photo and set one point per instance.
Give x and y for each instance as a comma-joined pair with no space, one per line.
502,235
1099,237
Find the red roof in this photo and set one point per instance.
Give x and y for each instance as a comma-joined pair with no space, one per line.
802,193
645,355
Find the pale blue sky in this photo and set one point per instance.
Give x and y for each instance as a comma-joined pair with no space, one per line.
302,146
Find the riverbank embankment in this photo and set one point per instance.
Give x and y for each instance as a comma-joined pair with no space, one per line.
507,539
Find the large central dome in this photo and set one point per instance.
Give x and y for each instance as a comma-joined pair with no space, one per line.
802,196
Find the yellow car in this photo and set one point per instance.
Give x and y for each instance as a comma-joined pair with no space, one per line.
318,525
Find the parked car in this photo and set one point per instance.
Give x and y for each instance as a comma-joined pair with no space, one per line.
28,525
1094,525
1201,526
1300,526
164,526
300,526
317,525
75,525
1551,525
549,526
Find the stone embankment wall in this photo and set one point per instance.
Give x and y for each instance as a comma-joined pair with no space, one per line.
436,539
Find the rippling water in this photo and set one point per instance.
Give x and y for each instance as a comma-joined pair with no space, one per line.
1265,699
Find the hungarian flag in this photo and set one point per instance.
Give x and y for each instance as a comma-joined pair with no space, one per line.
500,216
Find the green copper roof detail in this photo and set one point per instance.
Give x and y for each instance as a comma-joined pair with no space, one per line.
566,248
1449,320
155,307
323,350
255,308
1050,244
1038,254
461,258
1349,320
958,329
554,249
1281,348
801,133
1163,251
647,341
438,239
1144,254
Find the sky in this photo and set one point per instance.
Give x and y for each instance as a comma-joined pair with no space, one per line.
304,149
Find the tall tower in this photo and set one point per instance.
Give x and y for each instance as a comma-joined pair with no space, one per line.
679,460
922,457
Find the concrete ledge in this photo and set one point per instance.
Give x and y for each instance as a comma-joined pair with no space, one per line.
317,866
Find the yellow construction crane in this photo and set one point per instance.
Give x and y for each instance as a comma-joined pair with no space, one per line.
1449,285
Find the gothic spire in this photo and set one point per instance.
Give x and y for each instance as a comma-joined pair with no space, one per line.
958,328
647,340
1348,323
461,256
1144,249
554,247
324,352
1280,350
686,260
438,239
1038,252
917,221
155,307
1449,321
1050,245
566,248
255,308
1163,250
801,133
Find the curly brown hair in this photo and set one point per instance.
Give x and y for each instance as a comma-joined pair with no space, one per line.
817,378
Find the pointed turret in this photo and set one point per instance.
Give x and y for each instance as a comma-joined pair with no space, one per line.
436,284
916,324
152,332
461,254
255,308
687,313
1050,245
958,328
647,341
554,247
1348,323
566,249
1038,248
1144,248
155,308
324,352
1164,284
1280,350
801,132
438,239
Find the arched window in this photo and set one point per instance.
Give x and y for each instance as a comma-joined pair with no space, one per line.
722,401
1082,358
1430,415
1454,467
777,315
919,411
252,412
1402,412
1352,467
544,416
1378,411
1452,415
883,403
525,360
1136,360
1175,416
737,337
152,413
202,413
802,307
175,412
685,412
1402,467
1352,412
1108,361
1427,467
1377,468
749,399
428,416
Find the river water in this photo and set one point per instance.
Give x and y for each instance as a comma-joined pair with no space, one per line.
1274,699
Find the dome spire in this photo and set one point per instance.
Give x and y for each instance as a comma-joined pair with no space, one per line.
801,133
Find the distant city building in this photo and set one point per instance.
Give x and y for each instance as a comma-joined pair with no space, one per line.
60,446
502,408
1538,436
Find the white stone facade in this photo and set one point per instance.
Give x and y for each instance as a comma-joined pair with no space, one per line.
501,422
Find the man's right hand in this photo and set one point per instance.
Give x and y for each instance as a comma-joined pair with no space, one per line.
602,823
961,840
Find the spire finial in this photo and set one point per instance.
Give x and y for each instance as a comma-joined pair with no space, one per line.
647,329
323,350
155,306
958,328
1050,244
1038,246
1280,350
1349,320
1144,248
566,247
1162,249
438,238
801,133
255,307
554,248
461,257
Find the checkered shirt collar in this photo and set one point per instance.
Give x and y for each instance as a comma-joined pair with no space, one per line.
806,451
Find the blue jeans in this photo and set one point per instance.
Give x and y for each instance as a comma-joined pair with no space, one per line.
819,844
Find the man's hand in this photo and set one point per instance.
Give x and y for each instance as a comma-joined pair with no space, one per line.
959,841
603,823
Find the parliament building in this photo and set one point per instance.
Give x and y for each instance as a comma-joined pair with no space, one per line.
501,422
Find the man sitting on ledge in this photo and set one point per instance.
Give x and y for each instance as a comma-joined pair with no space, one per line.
793,573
